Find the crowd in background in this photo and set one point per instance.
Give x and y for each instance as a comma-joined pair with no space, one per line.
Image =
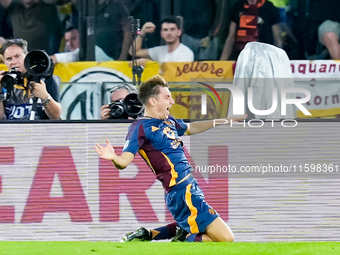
212,29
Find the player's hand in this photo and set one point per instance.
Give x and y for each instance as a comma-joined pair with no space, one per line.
148,27
105,112
105,152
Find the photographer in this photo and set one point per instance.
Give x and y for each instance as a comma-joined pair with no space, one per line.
118,92
14,106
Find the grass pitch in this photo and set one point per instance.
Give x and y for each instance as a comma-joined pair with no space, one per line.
155,248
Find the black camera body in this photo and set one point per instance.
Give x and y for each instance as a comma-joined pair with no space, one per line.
11,78
117,110
130,106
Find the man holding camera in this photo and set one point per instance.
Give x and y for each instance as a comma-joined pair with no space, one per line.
15,103
118,92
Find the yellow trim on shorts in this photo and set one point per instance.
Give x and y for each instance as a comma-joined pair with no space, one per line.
192,218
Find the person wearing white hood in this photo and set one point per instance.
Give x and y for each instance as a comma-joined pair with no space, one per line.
263,68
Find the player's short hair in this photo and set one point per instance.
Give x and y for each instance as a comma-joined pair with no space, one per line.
10,42
151,88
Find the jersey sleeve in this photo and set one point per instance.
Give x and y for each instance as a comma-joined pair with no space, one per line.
134,139
180,125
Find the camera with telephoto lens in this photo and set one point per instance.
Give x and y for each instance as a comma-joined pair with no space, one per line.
38,64
130,106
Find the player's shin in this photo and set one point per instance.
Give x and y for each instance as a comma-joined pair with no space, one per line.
164,232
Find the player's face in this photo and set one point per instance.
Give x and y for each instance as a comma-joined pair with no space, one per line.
14,58
164,102
170,33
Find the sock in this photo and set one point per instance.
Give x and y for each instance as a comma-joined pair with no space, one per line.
194,238
165,232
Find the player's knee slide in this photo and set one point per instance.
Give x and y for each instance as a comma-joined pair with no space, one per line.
228,238
194,238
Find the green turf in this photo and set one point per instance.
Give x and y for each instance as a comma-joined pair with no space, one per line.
155,248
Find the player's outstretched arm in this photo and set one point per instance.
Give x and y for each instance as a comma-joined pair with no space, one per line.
201,126
107,152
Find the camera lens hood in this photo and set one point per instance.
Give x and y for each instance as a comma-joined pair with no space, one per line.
38,64
133,106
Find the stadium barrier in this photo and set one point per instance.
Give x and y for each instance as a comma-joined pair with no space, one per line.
267,183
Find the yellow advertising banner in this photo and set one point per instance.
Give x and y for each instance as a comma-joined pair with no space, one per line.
183,72
188,97
102,71
172,72
88,71
188,102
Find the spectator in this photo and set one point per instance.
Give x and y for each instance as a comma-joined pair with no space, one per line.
199,27
37,22
251,21
173,51
5,25
329,31
72,41
68,14
118,92
15,107
290,43
112,28
329,34
322,29
146,10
